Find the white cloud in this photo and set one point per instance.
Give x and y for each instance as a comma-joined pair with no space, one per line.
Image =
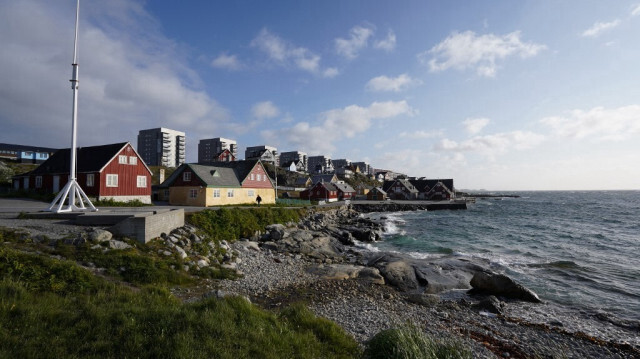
475,125
395,84
600,27
467,50
265,110
286,54
388,43
600,123
491,145
226,61
422,134
358,40
636,10
337,124
131,77
330,72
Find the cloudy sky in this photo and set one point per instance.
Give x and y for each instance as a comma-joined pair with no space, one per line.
501,95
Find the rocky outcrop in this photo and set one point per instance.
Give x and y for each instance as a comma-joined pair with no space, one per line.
485,282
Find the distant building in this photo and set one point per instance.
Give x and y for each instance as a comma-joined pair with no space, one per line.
263,153
320,164
25,154
364,168
210,149
300,158
162,147
327,177
341,163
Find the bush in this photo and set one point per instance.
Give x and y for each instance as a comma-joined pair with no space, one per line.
410,342
235,223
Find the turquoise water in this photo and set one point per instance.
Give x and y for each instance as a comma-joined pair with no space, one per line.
578,250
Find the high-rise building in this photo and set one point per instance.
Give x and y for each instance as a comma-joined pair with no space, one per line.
364,167
341,163
263,153
162,147
320,164
294,156
210,149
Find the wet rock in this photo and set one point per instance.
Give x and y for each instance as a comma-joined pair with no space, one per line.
501,285
489,304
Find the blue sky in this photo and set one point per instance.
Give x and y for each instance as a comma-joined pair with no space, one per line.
500,95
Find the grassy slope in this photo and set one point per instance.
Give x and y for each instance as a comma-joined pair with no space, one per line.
55,308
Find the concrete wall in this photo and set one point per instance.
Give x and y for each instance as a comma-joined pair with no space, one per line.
147,226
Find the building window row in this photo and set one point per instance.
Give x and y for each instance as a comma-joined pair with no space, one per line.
112,180
124,159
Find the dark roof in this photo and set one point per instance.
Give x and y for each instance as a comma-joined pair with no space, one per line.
302,180
387,184
88,159
421,185
10,147
322,178
343,187
408,185
224,174
378,189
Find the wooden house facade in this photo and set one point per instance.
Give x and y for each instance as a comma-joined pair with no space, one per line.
321,191
114,171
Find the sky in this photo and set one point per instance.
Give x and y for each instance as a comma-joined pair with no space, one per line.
499,95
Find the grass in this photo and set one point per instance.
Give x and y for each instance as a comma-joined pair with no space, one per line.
410,342
235,223
113,203
53,308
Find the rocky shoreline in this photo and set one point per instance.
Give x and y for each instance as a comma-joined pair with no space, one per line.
318,262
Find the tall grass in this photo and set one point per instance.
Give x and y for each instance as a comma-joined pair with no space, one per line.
410,342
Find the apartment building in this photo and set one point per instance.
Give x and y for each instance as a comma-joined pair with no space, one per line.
320,164
162,147
210,149
286,158
263,153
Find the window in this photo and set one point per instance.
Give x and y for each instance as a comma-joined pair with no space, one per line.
186,176
133,160
259,179
112,180
229,193
122,159
26,182
216,193
90,180
142,181
38,181
251,193
193,193
252,177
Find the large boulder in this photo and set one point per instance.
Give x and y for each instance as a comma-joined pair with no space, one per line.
100,235
486,282
400,274
276,231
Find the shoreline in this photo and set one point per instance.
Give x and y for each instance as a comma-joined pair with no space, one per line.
274,278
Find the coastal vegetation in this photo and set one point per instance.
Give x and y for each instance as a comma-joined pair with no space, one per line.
50,306
408,341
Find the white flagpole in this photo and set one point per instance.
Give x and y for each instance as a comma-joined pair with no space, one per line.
72,188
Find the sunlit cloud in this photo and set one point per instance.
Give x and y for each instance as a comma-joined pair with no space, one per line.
395,84
600,123
358,39
466,50
264,110
475,125
226,61
388,43
600,27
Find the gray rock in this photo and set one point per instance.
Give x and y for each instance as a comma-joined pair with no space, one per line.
270,246
371,275
248,245
501,285
489,304
115,244
400,274
100,235
202,263
276,231
181,252
425,299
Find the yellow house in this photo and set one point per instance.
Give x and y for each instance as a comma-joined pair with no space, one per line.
224,183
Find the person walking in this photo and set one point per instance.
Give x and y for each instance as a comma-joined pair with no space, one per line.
259,199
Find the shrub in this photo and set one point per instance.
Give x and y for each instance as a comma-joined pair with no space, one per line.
410,342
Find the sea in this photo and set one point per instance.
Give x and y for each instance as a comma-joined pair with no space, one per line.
578,250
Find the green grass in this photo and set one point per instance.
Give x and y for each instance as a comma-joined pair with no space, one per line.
410,342
235,223
113,203
55,309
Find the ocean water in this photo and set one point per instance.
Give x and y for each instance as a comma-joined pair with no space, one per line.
579,251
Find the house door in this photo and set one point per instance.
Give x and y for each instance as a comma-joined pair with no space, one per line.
56,184
26,183
16,184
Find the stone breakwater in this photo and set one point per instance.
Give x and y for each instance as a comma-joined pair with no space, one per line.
317,262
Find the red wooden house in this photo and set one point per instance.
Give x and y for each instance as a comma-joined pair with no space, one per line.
113,171
321,191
